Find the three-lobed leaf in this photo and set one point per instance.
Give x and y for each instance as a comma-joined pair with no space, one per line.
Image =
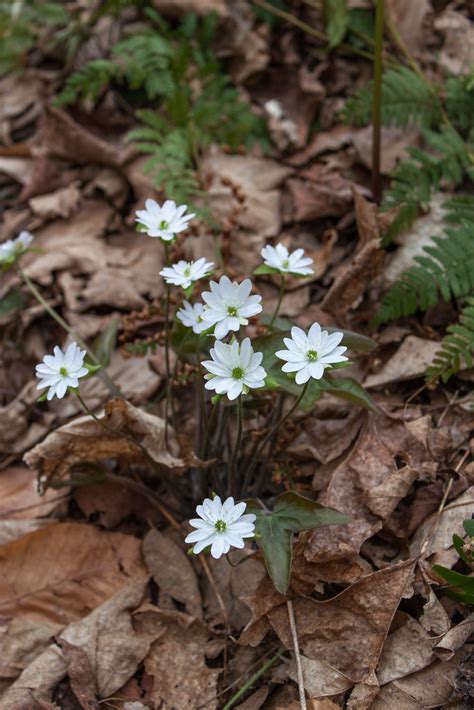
274,531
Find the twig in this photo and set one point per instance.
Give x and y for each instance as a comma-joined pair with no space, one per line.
296,648
377,103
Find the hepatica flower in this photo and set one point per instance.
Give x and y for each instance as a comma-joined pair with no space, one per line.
13,248
234,369
164,222
184,273
309,355
229,305
61,370
191,316
280,259
221,526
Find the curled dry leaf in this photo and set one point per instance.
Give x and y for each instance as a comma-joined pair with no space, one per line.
84,440
368,487
19,498
113,648
172,570
367,263
347,631
63,571
61,203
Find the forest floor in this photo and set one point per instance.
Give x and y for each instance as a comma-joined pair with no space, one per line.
100,604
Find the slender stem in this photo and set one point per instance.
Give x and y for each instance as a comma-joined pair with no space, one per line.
169,392
231,482
65,326
296,648
377,102
280,299
253,679
266,439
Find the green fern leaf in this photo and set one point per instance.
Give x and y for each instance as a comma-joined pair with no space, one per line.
445,270
407,99
457,347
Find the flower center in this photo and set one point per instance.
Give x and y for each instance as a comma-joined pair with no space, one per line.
187,271
231,311
312,355
63,371
220,526
285,263
237,373
164,224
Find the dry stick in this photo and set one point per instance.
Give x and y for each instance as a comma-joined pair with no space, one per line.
296,648
65,326
377,103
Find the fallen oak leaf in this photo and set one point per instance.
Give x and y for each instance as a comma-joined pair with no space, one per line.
347,631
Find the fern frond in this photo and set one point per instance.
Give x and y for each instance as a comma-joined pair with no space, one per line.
457,347
445,270
88,82
459,98
414,179
459,208
407,99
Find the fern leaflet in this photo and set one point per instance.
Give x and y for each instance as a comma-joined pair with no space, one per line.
457,347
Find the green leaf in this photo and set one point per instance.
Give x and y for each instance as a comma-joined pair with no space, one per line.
468,526
92,370
105,343
349,389
458,543
274,531
42,398
460,581
13,301
336,17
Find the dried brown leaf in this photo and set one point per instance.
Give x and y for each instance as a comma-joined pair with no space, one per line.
62,572
84,440
172,570
409,361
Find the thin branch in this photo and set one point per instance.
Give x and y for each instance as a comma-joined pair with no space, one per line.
296,648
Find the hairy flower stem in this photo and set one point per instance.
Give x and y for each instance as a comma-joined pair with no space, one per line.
231,476
280,299
169,390
253,463
377,102
253,679
65,326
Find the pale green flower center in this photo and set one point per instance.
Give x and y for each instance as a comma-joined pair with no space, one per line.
237,373
187,271
220,526
231,311
63,371
285,263
164,224
312,355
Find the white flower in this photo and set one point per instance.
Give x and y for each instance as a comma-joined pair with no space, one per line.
280,258
309,355
234,369
191,316
14,247
229,305
164,222
185,272
61,370
221,525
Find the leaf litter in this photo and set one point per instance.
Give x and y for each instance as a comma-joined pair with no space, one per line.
98,598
